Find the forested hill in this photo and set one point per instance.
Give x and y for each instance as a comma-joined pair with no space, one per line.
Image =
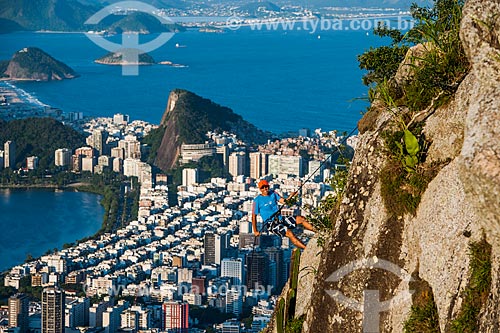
39,137
31,63
187,119
58,15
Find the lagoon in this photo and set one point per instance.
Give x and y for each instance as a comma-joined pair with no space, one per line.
278,80
36,220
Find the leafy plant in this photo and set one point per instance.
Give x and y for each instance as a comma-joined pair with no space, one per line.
382,63
405,176
437,69
323,216
409,153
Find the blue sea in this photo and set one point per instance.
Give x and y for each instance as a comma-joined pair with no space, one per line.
278,80
34,221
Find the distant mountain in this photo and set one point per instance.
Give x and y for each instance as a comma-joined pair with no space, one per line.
39,137
256,8
7,26
31,63
71,15
138,22
403,4
179,4
116,58
57,15
187,119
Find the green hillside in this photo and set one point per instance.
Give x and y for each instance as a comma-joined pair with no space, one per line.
187,120
31,63
58,15
39,137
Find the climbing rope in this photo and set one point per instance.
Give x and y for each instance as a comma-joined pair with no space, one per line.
275,216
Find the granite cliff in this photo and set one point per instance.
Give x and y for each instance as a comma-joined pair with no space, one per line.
379,271
187,119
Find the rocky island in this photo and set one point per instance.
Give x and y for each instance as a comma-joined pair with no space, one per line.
117,58
33,64
144,59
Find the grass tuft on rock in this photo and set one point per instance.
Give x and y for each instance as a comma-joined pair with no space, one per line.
476,293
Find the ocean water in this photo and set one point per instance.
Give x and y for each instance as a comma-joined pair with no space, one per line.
278,80
33,221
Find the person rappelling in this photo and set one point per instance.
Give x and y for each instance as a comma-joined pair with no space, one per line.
266,205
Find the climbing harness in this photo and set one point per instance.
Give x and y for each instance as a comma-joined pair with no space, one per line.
280,223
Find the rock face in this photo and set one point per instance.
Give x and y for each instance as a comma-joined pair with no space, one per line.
33,64
459,205
187,119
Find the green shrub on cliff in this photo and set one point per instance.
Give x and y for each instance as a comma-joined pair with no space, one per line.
430,73
435,72
412,85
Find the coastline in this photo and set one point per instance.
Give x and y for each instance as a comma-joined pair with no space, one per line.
74,187
61,242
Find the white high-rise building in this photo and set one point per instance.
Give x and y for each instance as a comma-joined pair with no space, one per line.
9,148
55,262
105,161
118,152
215,246
19,312
237,163
120,119
189,176
232,268
77,312
184,275
32,162
136,318
118,165
234,300
131,147
192,299
62,157
291,165
98,141
315,166
258,165
88,164
136,168
53,310
288,165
